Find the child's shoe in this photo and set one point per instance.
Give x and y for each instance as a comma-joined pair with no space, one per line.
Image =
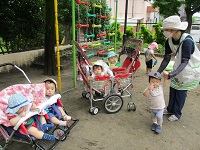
153,126
48,137
67,117
46,127
79,78
158,129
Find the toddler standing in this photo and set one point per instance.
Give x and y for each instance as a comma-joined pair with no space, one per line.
157,103
149,54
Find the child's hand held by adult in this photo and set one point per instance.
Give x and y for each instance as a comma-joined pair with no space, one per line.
165,73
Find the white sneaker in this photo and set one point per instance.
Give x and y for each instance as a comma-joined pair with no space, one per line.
172,118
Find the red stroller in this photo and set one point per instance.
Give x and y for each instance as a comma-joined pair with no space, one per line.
118,87
124,76
98,89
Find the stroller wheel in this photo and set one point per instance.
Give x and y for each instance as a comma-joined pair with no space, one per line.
1,147
87,95
94,110
113,103
84,93
58,133
131,106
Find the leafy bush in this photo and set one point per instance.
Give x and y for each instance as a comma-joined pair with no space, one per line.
112,30
158,36
145,34
129,32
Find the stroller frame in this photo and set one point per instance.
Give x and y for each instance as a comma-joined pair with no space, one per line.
61,132
131,64
113,101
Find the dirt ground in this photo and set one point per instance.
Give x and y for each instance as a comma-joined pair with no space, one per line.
125,130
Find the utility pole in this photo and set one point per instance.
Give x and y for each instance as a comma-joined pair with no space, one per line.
125,22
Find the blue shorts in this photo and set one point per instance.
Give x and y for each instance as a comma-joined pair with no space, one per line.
51,112
158,114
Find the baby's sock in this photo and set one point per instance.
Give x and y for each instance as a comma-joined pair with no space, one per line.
67,117
63,123
48,137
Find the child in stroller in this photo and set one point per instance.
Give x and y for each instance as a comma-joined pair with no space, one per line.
120,86
20,132
51,86
18,107
112,60
98,69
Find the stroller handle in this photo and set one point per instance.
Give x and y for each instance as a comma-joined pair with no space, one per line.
22,71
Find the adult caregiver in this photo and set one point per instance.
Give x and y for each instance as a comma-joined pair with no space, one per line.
186,70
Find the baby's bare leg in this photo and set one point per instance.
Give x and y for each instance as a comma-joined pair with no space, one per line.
154,120
40,135
35,132
62,111
43,120
64,115
55,120
59,122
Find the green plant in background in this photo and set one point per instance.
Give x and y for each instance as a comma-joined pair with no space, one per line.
161,49
145,34
158,36
129,32
112,30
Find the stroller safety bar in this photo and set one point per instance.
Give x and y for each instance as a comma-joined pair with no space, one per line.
48,103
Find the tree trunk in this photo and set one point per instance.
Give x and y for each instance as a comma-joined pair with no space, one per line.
49,52
189,20
189,14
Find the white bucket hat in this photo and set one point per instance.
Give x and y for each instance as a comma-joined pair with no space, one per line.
51,80
174,22
97,63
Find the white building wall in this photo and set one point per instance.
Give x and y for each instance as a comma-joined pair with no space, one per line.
137,11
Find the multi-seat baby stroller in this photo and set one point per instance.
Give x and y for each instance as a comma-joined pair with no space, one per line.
110,90
18,133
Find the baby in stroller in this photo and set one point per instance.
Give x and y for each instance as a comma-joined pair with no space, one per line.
112,60
100,69
18,107
51,86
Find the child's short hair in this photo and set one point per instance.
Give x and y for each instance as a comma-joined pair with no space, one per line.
50,80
